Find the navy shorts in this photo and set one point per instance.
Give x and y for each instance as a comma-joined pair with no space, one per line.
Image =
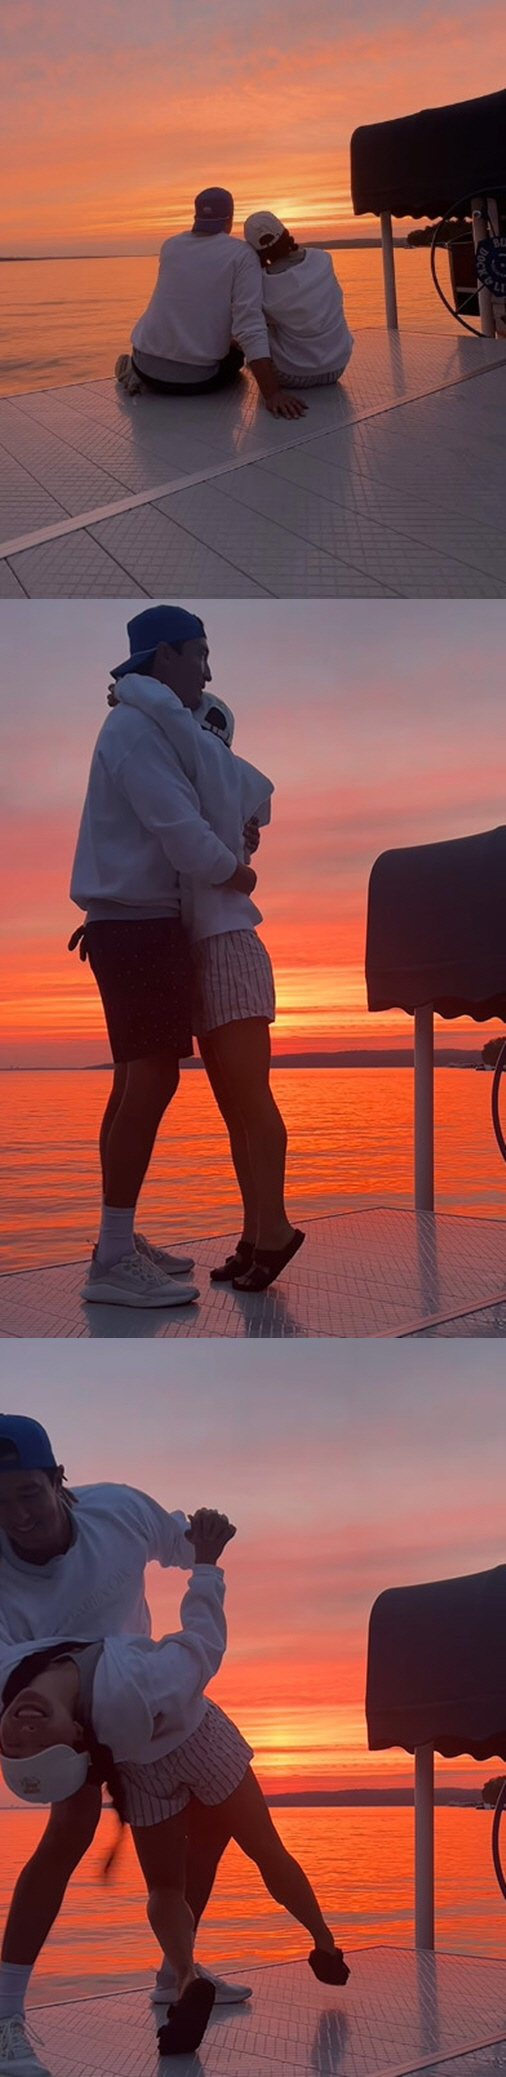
144,976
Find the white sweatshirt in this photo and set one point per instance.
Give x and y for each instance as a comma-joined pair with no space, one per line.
229,791
148,1697
209,291
303,304
142,825
97,1587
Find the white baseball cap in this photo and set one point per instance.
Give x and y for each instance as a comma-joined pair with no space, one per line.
47,1777
263,229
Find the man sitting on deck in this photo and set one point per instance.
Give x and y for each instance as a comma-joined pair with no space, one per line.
205,316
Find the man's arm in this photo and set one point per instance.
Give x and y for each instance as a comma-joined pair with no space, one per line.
167,804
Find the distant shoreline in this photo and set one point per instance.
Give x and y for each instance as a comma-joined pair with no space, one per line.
32,259
355,1799
386,1058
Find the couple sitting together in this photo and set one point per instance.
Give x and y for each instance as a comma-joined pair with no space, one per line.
89,1699
221,301
162,871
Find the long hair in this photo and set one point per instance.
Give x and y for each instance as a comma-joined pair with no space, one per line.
103,1770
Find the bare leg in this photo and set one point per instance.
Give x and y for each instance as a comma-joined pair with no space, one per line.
237,1136
161,1850
252,1828
208,1836
41,1887
242,1056
112,1106
148,1089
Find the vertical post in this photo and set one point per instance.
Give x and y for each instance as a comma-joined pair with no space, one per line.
389,271
424,1846
484,297
424,1108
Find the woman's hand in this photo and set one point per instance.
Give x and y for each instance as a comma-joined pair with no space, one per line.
209,1532
251,834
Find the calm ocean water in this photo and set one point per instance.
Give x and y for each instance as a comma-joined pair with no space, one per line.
66,320
350,1140
359,1861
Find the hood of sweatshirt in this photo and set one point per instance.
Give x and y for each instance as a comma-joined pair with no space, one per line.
230,790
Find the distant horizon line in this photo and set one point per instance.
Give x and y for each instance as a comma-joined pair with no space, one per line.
357,1056
328,244
450,1797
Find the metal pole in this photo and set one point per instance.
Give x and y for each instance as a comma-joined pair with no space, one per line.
389,271
484,297
424,1846
424,1108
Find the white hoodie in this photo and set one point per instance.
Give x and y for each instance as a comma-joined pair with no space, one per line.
165,810
303,305
148,1697
209,291
97,1586
229,790
142,825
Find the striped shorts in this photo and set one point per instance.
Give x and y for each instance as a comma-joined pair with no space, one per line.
210,1765
233,980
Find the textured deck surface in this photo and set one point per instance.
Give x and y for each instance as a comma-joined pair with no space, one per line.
363,1273
392,485
400,2012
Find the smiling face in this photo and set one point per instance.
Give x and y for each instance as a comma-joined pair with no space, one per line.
33,1514
43,1714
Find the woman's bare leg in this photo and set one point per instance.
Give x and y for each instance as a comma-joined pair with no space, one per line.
241,1058
237,1136
161,1851
252,1827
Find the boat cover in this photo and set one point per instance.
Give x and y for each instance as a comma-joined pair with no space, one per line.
436,1672
420,165
436,928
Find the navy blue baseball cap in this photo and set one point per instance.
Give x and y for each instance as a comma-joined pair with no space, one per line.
158,624
29,1444
213,209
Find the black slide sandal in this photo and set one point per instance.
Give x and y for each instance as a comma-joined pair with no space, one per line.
328,1967
234,1265
267,1264
186,2022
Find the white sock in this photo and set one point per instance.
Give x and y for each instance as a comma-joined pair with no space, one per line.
14,1980
116,1237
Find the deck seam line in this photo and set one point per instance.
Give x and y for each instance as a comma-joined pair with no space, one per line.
138,499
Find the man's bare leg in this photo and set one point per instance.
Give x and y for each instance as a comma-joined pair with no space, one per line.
41,1886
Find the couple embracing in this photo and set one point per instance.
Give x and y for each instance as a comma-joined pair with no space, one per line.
162,871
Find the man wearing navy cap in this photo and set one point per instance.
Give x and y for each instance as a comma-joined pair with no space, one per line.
72,1564
141,829
205,316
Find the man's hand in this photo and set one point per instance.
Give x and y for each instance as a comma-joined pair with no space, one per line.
209,1532
243,880
283,406
251,834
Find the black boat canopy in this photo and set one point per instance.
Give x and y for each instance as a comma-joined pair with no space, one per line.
436,928
421,165
436,1672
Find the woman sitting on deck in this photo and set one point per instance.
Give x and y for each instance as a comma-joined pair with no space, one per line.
303,305
134,1714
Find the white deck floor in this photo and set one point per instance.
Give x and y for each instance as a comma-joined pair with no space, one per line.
365,1273
400,2013
392,486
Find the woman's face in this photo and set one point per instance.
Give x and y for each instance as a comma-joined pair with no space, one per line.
41,1715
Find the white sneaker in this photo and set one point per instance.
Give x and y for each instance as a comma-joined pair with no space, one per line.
16,2051
165,1992
172,1265
135,1280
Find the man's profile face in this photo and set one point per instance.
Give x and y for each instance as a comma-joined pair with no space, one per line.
186,671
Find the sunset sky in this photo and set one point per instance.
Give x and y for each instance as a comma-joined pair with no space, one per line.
381,724
114,115
329,1511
